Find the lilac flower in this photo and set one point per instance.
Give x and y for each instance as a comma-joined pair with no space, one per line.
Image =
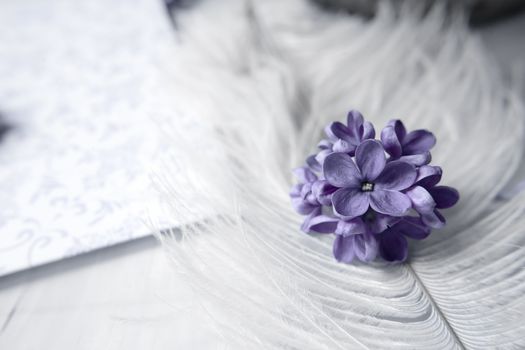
427,198
393,245
413,147
369,182
309,195
345,138
363,198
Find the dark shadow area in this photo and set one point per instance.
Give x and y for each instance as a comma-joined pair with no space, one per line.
482,12
173,6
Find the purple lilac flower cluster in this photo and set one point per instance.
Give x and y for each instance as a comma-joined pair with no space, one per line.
371,194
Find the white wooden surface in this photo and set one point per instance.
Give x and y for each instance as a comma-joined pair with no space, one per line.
128,296
124,297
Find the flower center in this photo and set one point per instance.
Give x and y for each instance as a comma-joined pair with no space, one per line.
367,187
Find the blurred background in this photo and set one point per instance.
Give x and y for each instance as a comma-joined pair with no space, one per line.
79,84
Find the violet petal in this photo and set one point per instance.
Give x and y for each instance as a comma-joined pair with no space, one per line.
354,120
390,202
433,219
354,226
417,159
303,207
391,142
343,146
305,227
422,201
329,133
323,191
428,176
306,190
340,131
413,227
325,144
370,158
350,202
397,175
323,224
393,246
418,141
313,163
321,156
399,128
381,222
340,171
444,196
365,247
368,131
343,249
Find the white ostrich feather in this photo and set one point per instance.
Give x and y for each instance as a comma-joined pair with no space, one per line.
260,80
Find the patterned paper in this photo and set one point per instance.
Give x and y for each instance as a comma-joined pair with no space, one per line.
79,83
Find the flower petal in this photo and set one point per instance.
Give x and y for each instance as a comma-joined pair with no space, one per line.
350,202
393,246
365,247
306,190
390,202
325,144
323,224
304,174
391,142
444,196
329,134
343,249
305,227
399,128
354,226
323,191
412,227
340,131
354,120
303,207
313,163
378,222
418,141
321,156
422,201
428,176
368,131
340,170
370,158
417,159
343,146
397,175
433,219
